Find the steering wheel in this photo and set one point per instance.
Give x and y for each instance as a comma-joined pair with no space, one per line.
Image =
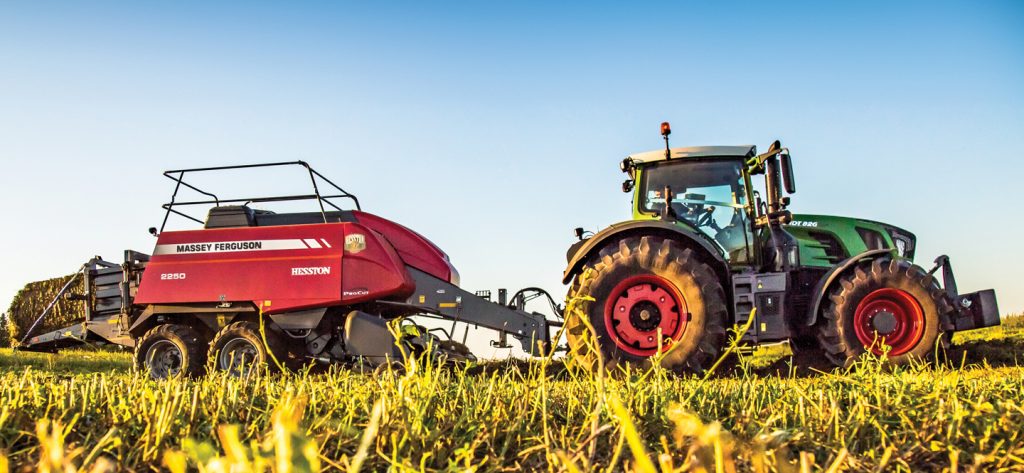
707,218
696,214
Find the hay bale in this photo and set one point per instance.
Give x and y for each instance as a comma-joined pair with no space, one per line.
5,334
33,299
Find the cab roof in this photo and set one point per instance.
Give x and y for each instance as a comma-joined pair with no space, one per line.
742,151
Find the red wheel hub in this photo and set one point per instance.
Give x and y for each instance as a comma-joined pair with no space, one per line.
640,305
889,316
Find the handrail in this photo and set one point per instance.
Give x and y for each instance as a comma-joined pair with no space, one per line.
178,176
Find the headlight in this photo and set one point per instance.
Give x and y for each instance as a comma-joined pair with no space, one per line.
903,240
901,247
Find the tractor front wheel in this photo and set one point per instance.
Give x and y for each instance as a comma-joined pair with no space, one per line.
171,350
886,306
644,294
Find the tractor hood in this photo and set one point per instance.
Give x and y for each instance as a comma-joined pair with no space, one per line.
828,239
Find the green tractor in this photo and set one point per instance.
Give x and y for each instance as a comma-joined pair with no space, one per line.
703,249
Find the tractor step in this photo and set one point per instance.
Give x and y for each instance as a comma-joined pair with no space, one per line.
767,292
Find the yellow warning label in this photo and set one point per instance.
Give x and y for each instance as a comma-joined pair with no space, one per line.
764,327
266,303
447,305
423,299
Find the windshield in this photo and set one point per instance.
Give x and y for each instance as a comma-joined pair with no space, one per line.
710,195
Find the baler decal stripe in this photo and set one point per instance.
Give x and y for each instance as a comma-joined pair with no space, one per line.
192,248
313,243
240,260
326,243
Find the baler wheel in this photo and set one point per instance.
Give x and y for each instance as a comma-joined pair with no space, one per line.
171,350
889,306
640,286
453,351
238,348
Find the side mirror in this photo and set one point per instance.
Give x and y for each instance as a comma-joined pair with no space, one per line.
627,185
152,231
788,180
627,166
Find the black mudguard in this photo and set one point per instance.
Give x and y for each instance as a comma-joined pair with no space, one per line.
367,336
580,252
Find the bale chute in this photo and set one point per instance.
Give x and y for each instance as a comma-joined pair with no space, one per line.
32,300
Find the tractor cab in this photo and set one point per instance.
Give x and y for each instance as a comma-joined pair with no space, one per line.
704,188
709,189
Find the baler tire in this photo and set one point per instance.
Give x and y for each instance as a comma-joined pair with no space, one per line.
454,352
392,367
837,332
187,343
246,334
667,262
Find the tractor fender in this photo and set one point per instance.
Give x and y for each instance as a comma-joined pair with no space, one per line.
580,252
826,281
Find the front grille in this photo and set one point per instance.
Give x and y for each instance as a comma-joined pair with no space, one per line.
834,251
872,239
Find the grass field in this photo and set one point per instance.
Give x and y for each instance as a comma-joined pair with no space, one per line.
87,410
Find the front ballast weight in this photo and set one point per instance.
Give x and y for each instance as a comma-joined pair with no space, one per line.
973,310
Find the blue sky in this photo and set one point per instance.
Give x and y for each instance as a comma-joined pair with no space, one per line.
494,129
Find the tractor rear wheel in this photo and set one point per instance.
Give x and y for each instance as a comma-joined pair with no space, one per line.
886,306
171,350
238,349
642,287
